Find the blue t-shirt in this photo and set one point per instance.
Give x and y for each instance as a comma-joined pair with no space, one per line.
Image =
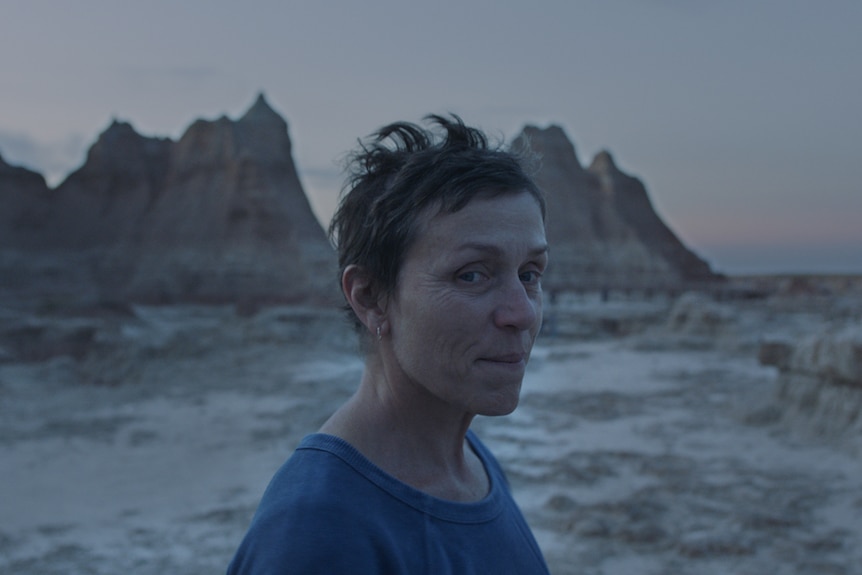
330,510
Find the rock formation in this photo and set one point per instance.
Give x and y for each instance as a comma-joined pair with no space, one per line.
218,216
602,227
820,377
23,206
832,356
110,196
233,222
695,314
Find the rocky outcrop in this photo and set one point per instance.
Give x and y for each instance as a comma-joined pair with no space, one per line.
232,222
819,381
833,356
23,206
218,216
601,224
630,202
108,198
26,266
697,315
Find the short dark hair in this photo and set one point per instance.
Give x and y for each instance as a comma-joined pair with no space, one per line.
403,169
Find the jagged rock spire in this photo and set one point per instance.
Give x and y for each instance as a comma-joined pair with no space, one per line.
261,111
603,163
601,225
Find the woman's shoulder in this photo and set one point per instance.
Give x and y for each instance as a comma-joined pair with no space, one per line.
324,471
318,514
329,480
328,509
321,536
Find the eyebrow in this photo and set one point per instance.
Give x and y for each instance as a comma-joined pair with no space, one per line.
539,250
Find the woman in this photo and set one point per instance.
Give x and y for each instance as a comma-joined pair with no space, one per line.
441,244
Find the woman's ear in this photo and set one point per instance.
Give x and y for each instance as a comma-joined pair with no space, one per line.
363,296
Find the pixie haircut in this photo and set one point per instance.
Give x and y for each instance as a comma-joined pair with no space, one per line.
404,170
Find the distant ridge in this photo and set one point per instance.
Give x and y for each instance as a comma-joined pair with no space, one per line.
601,225
218,216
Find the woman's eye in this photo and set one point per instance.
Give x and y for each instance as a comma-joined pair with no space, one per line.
470,277
530,276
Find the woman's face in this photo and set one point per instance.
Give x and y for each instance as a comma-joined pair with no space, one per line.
468,303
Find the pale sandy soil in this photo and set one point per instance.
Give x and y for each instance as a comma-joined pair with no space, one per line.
660,451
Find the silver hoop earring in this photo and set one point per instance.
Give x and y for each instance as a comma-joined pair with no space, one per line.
379,335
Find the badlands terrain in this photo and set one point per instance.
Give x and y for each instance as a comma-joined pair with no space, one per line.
655,435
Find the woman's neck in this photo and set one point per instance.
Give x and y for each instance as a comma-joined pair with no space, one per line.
412,436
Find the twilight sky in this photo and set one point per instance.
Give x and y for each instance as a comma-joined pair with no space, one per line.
742,117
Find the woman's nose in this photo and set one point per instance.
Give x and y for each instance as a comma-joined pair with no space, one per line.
518,306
